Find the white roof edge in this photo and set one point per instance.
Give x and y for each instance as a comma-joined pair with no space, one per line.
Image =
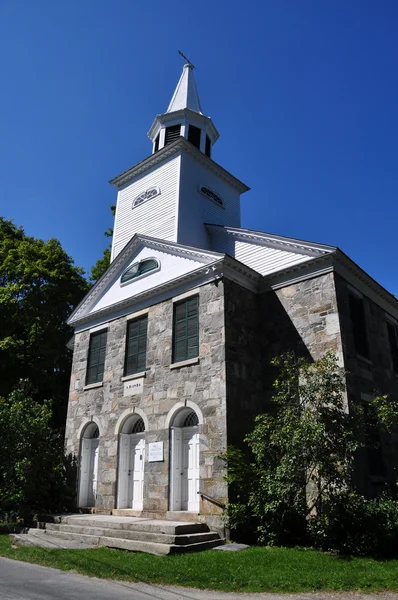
293,244
168,151
124,255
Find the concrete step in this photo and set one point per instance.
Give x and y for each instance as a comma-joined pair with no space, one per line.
187,538
64,539
132,524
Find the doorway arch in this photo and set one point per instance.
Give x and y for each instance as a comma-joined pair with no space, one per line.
130,485
184,460
89,448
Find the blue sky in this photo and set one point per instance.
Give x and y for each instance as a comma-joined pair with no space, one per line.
304,94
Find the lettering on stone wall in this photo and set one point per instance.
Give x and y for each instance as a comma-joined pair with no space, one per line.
136,386
155,452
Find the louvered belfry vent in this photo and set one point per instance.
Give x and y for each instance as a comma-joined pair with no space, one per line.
194,136
172,133
208,146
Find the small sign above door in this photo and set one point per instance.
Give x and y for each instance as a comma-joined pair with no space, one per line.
155,451
135,386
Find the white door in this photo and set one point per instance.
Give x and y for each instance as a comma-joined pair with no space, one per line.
88,472
123,471
185,467
137,461
176,471
131,471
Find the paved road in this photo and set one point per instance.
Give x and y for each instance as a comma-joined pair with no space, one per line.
24,581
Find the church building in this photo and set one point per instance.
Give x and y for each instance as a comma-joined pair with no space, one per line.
172,345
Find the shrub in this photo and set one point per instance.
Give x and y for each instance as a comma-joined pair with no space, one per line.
35,475
353,525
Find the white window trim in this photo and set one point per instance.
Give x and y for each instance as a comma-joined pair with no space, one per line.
194,292
143,274
104,326
212,199
152,187
139,313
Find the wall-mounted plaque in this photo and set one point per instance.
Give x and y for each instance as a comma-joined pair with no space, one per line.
135,386
155,451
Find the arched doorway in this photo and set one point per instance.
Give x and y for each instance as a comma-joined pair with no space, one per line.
130,490
89,465
185,461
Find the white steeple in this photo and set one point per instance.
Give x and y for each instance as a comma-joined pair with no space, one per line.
184,117
186,93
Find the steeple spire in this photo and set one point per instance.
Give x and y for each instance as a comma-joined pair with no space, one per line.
186,93
184,118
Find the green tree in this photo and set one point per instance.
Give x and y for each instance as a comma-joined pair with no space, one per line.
34,473
103,263
39,287
301,452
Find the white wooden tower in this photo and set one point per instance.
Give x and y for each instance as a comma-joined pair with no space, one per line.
176,190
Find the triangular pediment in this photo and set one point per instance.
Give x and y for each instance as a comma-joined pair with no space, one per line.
171,263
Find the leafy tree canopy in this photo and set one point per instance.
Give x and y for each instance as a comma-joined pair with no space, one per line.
34,473
39,287
103,263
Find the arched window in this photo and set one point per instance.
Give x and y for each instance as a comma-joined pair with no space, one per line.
191,420
146,195
140,268
211,195
138,426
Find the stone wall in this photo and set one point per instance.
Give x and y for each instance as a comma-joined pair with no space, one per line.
202,383
244,352
302,318
367,378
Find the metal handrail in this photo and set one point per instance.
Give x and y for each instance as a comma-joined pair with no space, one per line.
213,500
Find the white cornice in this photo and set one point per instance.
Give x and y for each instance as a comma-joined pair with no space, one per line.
273,241
341,264
365,284
181,115
181,144
198,277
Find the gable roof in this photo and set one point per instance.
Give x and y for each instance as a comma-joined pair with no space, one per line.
203,257
264,252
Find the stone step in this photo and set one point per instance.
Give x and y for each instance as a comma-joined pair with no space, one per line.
131,524
49,541
44,535
186,538
126,512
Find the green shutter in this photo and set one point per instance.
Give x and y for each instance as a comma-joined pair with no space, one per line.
136,346
186,330
96,357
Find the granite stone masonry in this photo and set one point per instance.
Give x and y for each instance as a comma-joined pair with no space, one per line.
202,384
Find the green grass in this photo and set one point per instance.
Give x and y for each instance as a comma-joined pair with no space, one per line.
253,570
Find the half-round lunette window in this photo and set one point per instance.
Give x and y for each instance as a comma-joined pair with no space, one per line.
140,268
148,194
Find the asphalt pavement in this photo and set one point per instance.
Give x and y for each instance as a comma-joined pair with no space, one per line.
25,581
